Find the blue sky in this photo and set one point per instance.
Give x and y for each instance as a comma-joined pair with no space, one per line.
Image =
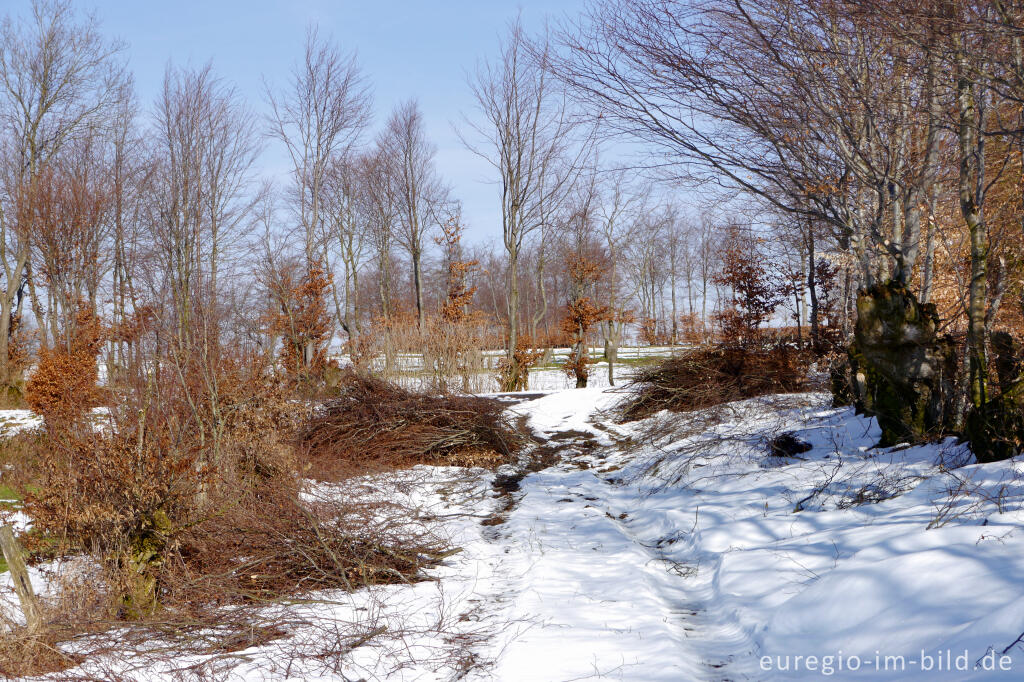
407,49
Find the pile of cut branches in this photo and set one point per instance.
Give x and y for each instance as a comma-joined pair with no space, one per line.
376,425
159,547
713,375
275,545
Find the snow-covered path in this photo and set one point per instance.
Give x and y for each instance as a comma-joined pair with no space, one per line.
605,593
697,556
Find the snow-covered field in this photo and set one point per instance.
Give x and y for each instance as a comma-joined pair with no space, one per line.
679,548
549,377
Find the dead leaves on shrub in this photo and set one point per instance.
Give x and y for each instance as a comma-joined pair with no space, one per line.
64,385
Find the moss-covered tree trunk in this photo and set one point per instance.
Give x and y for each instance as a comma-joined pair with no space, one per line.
996,428
902,370
141,565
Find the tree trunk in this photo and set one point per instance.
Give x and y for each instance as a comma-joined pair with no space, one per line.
513,302
10,309
903,371
6,372
542,314
611,353
514,378
972,188
812,290
417,276
143,560
799,326
675,313
579,352
19,576
929,254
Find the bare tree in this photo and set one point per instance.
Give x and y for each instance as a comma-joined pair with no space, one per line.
707,262
58,77
417,187
528,137
318,117
648,274
815,109
382,213
347,236
205,147
71,235
130,169
586,266
675,248
618,216
205,144
968,54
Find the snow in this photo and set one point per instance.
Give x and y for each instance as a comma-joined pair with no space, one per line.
408,368
678,548
691,561
12,421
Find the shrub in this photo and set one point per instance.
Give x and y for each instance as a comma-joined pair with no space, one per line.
63,387
581,314
303,321
178,530
755,295
513,374
451,348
